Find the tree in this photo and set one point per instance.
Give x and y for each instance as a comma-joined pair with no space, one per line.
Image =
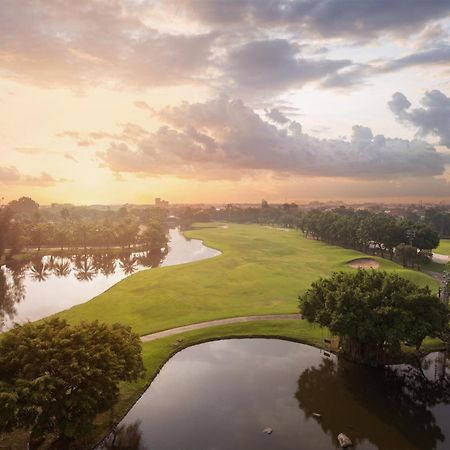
372,311
55,378
154,236
5,221
39,234
425,238
407,253
18,236
25,206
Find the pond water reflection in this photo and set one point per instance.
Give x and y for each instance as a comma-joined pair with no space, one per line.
221,395
39,287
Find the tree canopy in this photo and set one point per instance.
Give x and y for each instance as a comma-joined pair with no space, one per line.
55,378
372,310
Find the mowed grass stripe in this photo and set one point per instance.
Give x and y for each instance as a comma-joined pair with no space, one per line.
261,271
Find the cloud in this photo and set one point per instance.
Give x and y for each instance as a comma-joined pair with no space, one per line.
438,55
70,157
433,119
398,189
224,138
275,65
77,137
143,105
77,43
12,176
321,18
275,115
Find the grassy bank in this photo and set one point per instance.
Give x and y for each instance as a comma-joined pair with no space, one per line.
261,271
444,247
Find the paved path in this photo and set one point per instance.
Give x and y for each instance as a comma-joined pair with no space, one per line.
440,259
214,323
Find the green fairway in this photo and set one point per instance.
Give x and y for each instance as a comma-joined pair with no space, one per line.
261,271
444,247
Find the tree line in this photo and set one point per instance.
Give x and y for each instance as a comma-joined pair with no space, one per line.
23,224
372,232
410,238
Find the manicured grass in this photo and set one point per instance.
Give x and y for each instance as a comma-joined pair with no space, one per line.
444,247
261,271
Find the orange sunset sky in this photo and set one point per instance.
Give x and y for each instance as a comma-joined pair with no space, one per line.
224,101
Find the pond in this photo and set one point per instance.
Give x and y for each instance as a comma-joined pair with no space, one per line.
221,395
39,287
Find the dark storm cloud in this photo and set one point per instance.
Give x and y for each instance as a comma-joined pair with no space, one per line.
432,119
223,138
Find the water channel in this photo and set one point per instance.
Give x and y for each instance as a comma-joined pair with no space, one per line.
38,287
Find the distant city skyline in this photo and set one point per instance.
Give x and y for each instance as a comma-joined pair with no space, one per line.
199,101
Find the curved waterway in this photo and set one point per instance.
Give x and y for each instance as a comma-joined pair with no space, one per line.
221,396
39,287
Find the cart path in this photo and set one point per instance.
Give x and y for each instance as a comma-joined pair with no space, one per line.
214,323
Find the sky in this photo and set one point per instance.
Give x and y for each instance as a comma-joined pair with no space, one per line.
218,101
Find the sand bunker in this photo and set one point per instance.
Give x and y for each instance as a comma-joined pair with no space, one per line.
364,263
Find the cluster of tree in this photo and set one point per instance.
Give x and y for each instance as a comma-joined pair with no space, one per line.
55,378
373,312
287,214
438,218
368,231
23,226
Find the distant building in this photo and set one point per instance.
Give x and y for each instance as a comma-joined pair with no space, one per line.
161,203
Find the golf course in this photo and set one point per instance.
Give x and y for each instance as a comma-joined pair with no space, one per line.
260,271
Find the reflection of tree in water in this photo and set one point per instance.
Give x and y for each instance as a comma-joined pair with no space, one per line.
39,270
151,259
125,437
84,268
128,263
390,408
12,289
7,299
62,267
105,263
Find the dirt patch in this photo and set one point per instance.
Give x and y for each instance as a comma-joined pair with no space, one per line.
364,263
